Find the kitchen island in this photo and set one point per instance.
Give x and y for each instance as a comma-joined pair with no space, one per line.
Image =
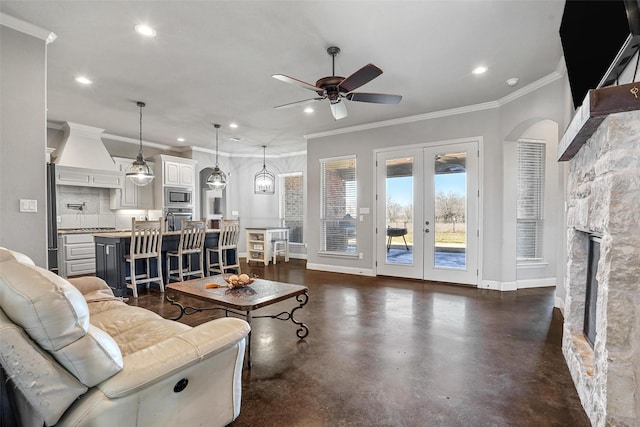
111,265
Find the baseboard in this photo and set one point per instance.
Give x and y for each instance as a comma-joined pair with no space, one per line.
296,256
536,283
518,284
497,286
339,269
559,303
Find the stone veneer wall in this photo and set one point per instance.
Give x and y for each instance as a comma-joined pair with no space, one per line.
603,197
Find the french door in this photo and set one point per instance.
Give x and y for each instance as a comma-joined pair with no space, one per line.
427,213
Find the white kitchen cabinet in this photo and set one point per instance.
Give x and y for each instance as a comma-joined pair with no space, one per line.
66,175
178,174
131,196
78,255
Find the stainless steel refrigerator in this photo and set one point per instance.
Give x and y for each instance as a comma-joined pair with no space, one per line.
52,219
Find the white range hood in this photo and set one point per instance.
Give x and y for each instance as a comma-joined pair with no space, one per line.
83,160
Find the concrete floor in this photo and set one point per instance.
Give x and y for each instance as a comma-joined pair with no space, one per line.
393,352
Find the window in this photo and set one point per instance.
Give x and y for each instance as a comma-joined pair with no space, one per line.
339,200
529,229
292,204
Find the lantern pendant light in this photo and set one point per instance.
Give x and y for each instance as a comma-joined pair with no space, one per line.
264,182
217,180
139,171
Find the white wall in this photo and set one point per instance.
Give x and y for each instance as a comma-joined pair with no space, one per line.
23,141
254,210
497,124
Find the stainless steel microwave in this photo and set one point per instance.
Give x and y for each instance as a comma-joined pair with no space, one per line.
178,197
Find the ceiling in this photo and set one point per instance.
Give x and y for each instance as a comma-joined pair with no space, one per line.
212,61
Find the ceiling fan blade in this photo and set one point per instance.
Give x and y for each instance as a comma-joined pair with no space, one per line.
296,82
378,98
298,103
339,110
362,76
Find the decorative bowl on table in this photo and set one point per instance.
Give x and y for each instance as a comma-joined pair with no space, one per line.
238,281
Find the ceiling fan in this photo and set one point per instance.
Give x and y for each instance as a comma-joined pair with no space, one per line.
336,88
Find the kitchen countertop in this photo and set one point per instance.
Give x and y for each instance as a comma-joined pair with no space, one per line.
127,233
91,230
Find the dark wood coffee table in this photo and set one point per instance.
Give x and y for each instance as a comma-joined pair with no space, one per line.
242,301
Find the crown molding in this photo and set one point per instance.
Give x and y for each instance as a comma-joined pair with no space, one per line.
550,78
112,137
238,155
27,28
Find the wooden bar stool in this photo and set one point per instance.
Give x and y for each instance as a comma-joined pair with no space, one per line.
192,235
146,245
228,240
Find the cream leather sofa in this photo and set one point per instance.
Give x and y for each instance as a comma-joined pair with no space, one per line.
78,356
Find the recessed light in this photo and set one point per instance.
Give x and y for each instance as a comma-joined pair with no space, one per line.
83,80
181,139
513,81
308,110
145,30
233,125
480,70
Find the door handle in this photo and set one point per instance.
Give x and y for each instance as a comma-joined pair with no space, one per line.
426,223
426,230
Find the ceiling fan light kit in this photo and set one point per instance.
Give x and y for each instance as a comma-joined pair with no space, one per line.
337,89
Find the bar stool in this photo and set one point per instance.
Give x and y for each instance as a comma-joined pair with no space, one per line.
228,239
280,247
146,244
192,235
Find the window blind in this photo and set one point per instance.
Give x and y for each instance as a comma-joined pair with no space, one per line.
530,208
339,201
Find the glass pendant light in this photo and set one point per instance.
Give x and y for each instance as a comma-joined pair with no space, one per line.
264,182
217,180
139,171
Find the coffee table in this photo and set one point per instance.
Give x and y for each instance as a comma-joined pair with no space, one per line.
242,301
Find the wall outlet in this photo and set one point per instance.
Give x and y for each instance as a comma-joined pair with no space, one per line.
360,255
27,205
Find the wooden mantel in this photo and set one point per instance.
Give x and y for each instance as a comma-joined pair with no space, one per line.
597,105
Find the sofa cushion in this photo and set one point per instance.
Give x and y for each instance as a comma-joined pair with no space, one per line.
50,310
9,255
47,386
133,328
56,316
93,358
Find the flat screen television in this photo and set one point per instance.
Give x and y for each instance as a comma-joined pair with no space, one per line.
599,39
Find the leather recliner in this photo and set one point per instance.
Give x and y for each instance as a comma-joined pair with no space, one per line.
75,355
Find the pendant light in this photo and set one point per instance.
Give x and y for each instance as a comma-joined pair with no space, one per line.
264,182
217,180
139,171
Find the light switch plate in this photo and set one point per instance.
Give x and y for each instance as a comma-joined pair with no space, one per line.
28,205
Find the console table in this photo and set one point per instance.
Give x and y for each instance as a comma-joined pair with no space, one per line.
260,243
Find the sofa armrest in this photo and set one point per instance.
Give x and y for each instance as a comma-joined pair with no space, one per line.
165,358
93,288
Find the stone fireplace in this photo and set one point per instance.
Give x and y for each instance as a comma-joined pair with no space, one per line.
603,200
